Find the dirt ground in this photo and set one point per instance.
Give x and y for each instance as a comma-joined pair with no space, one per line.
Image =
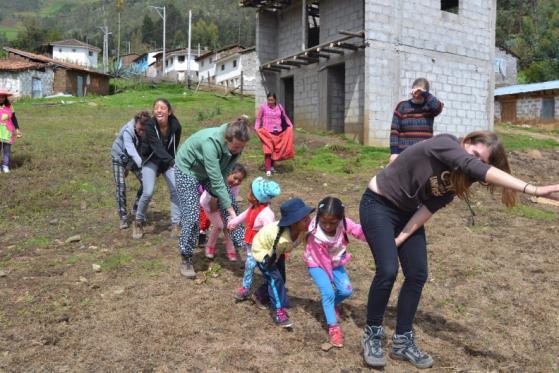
490,305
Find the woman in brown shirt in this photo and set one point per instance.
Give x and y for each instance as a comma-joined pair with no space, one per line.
396,205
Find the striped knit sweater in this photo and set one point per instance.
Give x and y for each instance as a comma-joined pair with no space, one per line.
413,123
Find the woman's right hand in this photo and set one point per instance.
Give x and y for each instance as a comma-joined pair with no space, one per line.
231,214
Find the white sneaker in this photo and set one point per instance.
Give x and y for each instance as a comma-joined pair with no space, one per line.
268,173
5,169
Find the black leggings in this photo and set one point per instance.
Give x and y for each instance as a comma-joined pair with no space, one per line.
382,221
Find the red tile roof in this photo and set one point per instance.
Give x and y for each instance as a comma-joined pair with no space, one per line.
18,65
45,59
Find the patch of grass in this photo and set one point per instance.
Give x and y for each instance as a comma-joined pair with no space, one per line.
10,32
37,242
340,159
116,261
153,266
529,212
522,142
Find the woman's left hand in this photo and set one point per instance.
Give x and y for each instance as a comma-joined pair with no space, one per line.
548,191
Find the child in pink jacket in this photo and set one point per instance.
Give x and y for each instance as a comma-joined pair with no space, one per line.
210,205
326,255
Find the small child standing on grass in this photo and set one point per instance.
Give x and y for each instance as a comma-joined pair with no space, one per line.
413,119
9,129
255,217
269,247
210,204
326,255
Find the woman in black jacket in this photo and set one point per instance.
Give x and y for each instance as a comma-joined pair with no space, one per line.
161,140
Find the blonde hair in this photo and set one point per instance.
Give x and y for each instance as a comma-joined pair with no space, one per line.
461,183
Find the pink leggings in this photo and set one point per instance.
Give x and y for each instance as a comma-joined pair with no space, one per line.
217,227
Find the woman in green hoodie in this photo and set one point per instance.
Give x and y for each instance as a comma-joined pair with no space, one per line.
203,162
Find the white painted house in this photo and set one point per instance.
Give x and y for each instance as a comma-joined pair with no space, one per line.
73,51
177,66
206,61
229,69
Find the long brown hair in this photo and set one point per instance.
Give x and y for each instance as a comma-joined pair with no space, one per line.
461,183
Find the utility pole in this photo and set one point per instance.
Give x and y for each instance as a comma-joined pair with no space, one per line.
118,41
106,34
161,11
189,45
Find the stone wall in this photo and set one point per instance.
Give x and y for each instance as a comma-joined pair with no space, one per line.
20,83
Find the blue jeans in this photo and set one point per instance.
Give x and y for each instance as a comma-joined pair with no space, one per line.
149,176
6,150
331,296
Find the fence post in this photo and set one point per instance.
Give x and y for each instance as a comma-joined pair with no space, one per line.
242,84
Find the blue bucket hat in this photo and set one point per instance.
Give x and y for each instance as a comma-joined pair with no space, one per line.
292,211
264,190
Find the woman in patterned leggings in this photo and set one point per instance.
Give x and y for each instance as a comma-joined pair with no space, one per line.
205,160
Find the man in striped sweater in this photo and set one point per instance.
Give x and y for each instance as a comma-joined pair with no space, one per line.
413,119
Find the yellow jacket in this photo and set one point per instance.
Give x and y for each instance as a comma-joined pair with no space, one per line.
263,242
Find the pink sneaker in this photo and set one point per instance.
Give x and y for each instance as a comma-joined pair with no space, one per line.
281,318
210,252
232,256
241,294
335,336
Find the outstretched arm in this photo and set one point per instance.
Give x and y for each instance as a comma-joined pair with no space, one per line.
500,178
417,220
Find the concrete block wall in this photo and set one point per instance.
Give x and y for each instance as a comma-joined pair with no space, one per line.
354,95
306,97
290,30
529,108
335,16
413,38
266,50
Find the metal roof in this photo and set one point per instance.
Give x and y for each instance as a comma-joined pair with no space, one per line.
526,88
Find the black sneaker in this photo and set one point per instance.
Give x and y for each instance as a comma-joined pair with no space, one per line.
202,239
372,346
404,348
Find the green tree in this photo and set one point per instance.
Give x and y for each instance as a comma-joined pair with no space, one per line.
148,31
205,33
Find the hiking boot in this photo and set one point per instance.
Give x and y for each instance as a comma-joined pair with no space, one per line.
202,239
5,169
241,294
210,252
259,302
186,268
281,319
372,346
123,224
138,229
175,231
335,336
404,348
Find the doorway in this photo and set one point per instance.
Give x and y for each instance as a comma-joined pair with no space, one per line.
336,98
36,88
79,93
288,97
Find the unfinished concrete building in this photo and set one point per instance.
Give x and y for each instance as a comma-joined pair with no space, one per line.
343,65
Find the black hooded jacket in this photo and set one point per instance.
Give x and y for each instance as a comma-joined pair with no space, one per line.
152,148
